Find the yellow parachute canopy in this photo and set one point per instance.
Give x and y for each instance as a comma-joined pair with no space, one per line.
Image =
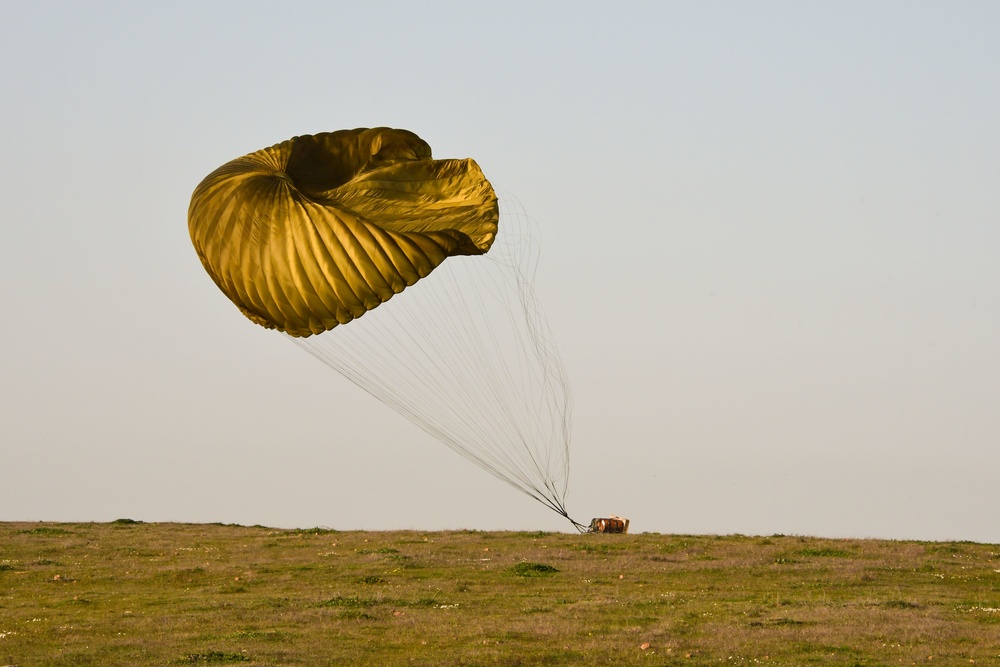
317,230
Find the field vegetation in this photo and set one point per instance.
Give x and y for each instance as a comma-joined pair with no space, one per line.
131,593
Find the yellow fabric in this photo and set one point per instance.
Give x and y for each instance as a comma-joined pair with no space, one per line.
317,230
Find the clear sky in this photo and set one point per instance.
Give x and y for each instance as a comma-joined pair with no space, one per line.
770,240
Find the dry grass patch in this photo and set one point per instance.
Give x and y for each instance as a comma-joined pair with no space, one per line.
161,594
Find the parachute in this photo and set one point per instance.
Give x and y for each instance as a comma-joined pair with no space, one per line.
316,236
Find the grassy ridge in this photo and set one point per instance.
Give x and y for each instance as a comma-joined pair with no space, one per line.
130,593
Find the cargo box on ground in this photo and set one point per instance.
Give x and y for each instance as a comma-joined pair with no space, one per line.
613,524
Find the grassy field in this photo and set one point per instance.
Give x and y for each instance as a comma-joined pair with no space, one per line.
130,593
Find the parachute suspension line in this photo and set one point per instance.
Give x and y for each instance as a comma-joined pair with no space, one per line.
466,355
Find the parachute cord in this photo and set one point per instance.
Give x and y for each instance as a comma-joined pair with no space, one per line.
560,509
466,355
576,524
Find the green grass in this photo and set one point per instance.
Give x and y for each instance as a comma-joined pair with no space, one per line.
214,657
132,593
526,569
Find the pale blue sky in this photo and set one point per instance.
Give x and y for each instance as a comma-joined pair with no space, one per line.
770,239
